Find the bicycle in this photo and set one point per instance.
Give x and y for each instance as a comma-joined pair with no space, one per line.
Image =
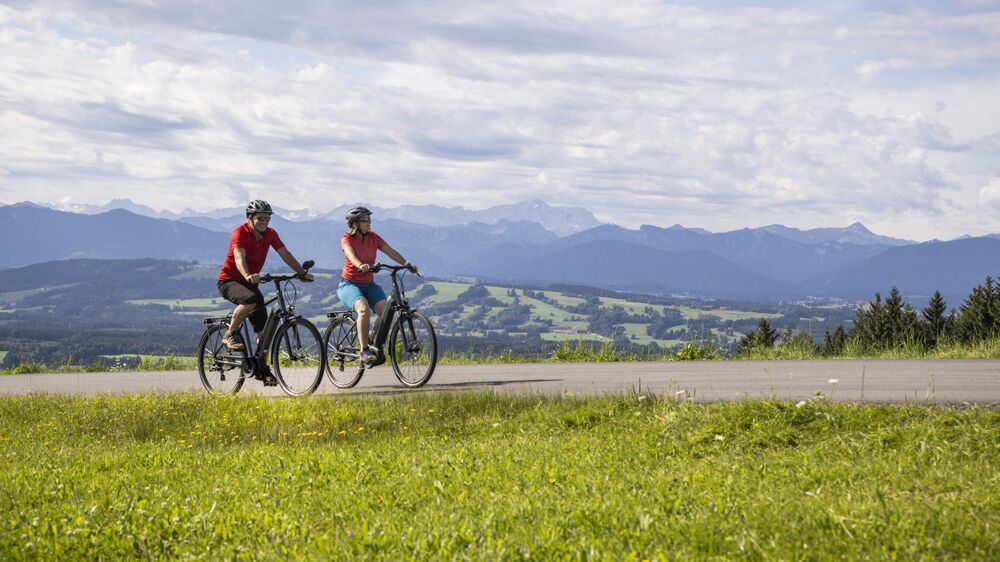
296,349
412,344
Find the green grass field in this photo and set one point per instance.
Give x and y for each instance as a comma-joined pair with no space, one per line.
446,291
490,476
449,291
637,333
183,303
199,272
12,297
724,314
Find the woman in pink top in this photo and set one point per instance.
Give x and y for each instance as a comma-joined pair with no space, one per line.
357,287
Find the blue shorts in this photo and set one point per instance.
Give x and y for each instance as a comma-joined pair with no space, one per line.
349,292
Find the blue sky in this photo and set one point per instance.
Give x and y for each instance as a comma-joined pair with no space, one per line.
719,115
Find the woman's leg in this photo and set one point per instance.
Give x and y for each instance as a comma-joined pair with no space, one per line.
361,307
379,310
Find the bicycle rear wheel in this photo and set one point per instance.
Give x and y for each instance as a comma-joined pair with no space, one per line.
297,356
343,366
413,349
220,370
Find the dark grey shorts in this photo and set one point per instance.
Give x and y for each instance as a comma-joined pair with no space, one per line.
242,292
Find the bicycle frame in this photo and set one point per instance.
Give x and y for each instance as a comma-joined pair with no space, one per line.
395,304
275,318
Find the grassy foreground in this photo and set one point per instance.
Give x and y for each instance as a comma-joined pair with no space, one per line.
493,476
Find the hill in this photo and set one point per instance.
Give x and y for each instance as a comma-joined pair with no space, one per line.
917,270
35,234
81,310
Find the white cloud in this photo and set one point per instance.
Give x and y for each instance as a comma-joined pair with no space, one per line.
989,195
713,116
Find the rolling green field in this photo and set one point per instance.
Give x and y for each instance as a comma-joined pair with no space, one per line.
552,317
12,297
574,326
491,476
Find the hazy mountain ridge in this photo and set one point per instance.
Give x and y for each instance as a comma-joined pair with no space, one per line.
37,234
751,263
558,219
856,234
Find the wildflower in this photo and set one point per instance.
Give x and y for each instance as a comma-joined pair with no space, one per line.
720,437
802,403
833,381
641,398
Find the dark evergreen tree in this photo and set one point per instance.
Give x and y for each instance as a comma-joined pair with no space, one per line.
834,344
934,320
763,337
885,325
868,331
979,317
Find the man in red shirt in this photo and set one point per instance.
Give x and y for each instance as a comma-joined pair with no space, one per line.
240,274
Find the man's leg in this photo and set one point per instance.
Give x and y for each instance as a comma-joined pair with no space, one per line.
239,315
250,304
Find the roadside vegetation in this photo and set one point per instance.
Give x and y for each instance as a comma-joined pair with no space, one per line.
893,329
880,329
494,476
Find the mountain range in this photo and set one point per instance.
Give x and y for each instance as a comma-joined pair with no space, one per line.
561,220
537,243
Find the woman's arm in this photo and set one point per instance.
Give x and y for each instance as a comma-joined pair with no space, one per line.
392,253
353,258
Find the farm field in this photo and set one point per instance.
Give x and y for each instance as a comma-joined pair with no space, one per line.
557,316
493,476
148,307
553,316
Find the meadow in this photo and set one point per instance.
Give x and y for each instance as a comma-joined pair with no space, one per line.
492,476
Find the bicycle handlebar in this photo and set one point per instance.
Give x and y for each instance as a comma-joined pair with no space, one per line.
267,277
393,268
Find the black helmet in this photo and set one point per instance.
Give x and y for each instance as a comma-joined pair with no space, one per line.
258,206
356,213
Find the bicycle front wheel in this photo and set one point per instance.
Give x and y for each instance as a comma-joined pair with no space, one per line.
413,349
343,366
220,369
297,357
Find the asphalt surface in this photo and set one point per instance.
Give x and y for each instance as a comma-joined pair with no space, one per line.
935,381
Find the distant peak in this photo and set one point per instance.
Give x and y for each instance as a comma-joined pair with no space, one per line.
28,205
858,227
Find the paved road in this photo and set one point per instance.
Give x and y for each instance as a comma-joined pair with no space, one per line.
940,381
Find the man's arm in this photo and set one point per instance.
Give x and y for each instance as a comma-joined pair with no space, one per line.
240,255
294,264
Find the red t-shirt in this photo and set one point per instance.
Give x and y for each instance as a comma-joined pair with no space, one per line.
366,248
256,251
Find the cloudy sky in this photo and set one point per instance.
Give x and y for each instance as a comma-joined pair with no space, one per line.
718,114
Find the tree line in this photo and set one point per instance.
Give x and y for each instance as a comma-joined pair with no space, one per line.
893,324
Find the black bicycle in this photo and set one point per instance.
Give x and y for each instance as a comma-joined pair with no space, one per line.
295,346
412,345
